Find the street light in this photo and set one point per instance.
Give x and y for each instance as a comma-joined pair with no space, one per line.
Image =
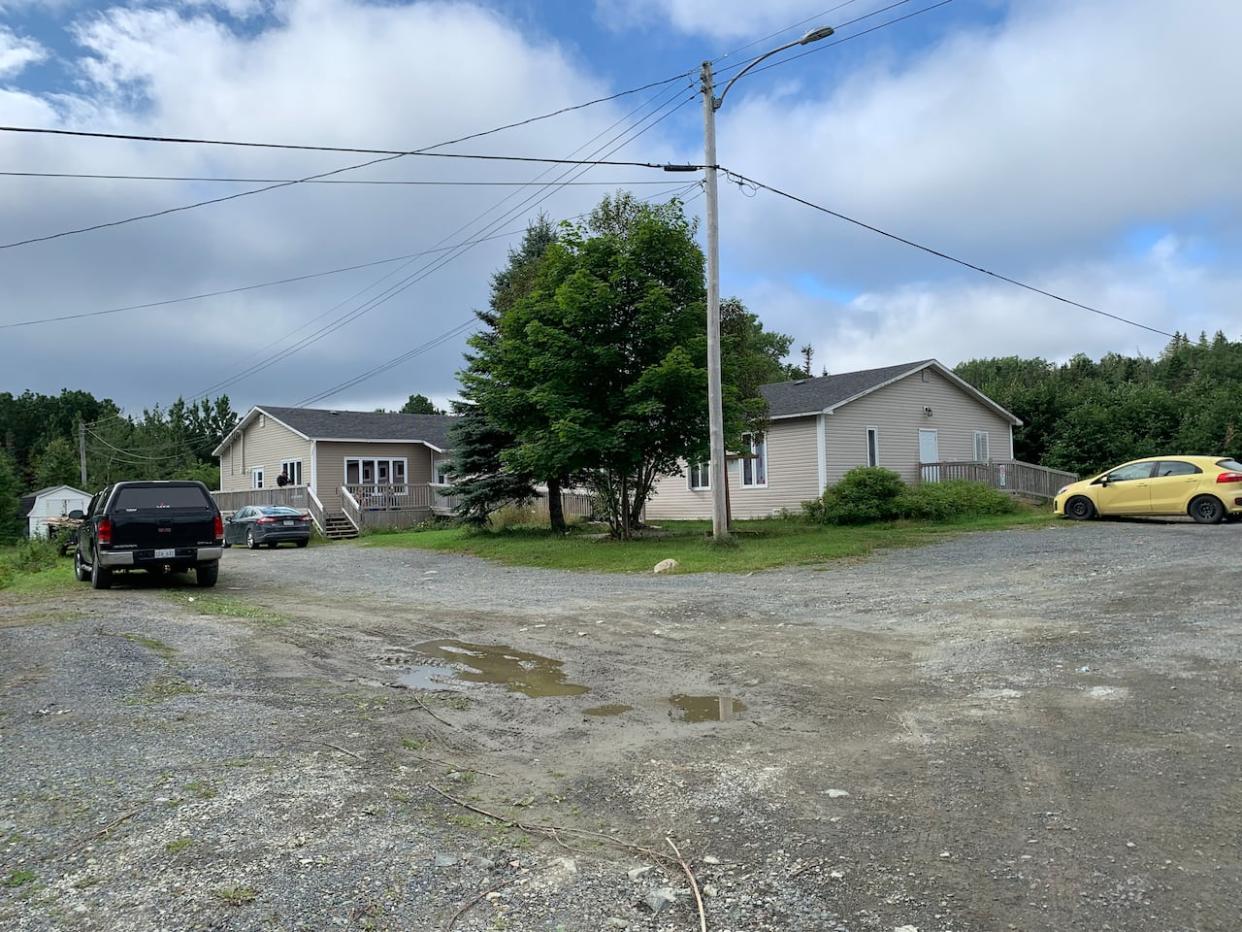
715,404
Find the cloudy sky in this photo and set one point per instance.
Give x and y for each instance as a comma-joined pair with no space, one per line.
1090,147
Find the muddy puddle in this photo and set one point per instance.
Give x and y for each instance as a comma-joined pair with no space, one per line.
706,708
607,710
451,664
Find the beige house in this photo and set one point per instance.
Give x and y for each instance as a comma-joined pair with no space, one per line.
909,418
347,468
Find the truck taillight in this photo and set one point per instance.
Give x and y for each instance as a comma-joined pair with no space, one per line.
1229,477
217,527
104,532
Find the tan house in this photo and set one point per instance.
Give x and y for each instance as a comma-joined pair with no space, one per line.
912,418
349,469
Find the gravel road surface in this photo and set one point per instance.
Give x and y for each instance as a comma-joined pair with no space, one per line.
1019,730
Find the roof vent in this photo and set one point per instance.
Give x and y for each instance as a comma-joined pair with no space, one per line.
799,381
334,412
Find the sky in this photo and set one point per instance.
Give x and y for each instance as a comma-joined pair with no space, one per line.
1087,147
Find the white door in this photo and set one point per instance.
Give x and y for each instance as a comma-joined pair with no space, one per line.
929,452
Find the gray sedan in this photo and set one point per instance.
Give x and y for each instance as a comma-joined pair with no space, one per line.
256,525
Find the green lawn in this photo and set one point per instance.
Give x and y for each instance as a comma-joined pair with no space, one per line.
759,544
34,567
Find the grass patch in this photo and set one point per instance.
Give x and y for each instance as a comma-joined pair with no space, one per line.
34,567
414,744
178,845
152,644
758,545
19,879
201,789
161,689
237,896
231,607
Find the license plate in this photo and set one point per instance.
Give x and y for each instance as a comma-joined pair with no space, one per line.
288,524
165,554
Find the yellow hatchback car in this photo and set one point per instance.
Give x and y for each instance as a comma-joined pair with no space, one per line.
1208,488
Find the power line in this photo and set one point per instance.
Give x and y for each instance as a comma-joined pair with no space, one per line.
669,189
944,255
823,46
347,181
419,274
284,184
426,271
779,32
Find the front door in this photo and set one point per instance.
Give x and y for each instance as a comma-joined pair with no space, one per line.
1126,490
929,452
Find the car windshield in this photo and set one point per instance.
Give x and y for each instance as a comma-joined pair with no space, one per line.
286,512
175,496
1232,465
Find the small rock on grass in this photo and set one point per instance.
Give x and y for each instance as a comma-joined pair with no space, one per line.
666,566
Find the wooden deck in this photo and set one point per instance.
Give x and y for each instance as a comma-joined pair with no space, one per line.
1014,476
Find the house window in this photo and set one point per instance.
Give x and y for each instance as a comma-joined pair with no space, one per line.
873,446
376,471
700,477
982,454
755,464
292,470
262,420
256,477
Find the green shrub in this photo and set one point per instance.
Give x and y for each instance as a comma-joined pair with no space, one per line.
865,494
951,500
31,556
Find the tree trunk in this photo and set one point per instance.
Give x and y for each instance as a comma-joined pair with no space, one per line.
556,510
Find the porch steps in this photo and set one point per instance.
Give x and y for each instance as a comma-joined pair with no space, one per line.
337,527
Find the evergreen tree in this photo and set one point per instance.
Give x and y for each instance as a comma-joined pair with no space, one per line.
57,464
11,523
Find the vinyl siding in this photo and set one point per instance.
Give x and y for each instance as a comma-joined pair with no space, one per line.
331,458
792,479
897,412
265,446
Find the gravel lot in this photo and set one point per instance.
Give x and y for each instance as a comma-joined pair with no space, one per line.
1022,730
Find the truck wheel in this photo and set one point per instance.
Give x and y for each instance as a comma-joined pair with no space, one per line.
206,574
100,578
79,571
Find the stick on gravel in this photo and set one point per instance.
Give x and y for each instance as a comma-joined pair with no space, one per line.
698,899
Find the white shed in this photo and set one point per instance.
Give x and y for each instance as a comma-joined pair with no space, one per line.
52,502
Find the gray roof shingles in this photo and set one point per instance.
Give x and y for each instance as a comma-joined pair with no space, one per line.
366,425
808,396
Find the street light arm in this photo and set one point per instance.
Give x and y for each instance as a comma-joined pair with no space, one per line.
813,36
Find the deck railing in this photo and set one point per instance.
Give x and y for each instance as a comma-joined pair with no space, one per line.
291,496
1009,476
349,506
315,507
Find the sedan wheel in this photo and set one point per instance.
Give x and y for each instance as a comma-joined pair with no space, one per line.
1079,508
1207,509
250,541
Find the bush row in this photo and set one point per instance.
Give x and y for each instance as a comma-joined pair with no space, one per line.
869,493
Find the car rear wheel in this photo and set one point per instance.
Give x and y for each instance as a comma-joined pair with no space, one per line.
100,578
303,543
79,570
206,574
250,541
1207,509
1079,508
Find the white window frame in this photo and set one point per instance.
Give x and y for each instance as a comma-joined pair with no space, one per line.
256,478
391,461
748,444
987,447
439,476
873,442
297,468
704,471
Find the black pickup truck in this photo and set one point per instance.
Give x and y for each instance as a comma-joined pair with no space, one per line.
154,526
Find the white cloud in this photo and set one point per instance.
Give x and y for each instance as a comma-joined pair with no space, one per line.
717,19
327,72
17,52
